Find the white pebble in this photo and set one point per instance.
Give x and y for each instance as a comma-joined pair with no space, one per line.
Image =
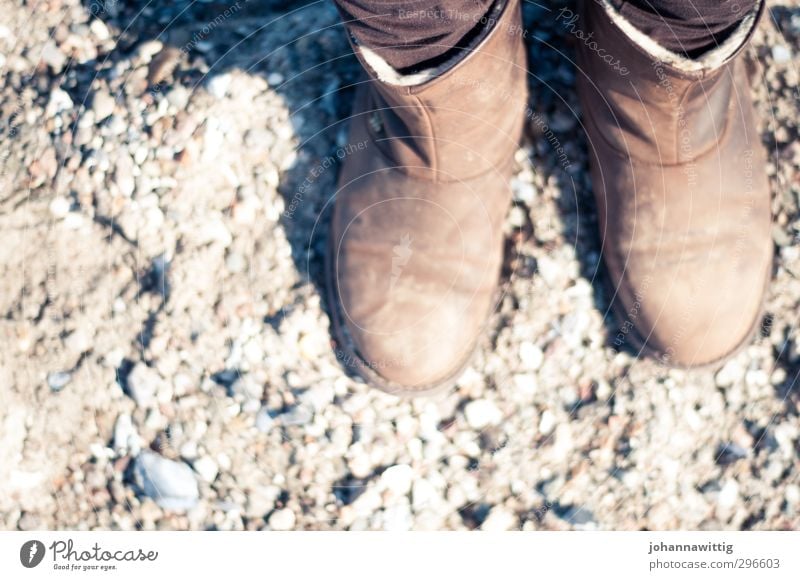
397,479
547,423
59,207
282,520
499,520
531,355
482,413
728,494
206,468
218,85
793,494
781,53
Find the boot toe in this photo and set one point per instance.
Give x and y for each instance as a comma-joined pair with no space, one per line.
411,282
410,350
694,311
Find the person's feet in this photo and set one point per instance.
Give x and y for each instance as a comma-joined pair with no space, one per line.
416,241
679,175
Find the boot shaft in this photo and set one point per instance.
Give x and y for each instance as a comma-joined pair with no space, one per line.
459,120
652,104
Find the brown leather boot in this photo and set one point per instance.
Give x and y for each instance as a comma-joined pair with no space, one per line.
679,175
416,234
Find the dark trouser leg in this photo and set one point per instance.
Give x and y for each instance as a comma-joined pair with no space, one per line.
689,27
413,35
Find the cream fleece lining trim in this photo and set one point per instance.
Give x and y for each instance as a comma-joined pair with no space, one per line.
389,75
711,60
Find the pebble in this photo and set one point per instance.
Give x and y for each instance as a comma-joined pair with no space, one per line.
297,415
319,396
206,468
728,495
53,57
123,174
59,207
524,191
531,355
103,105
274,79
171,484
781,54
500,520
793,494
731,373
58,380
547,423
397,479
143,384
218,85
126,439
147,50
282,520
423,494
264,420
99,29
59,101
482,413
517,217
397,518
581,518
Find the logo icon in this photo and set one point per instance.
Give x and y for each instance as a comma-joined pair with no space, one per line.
402,254
31,553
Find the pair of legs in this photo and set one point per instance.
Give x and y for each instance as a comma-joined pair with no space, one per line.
678,172
413,35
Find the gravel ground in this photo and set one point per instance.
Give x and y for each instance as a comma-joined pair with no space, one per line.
166,361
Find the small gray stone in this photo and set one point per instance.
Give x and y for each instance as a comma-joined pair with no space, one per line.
125,435
171,484
143,384
297,415
264,420
58,380
274,79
